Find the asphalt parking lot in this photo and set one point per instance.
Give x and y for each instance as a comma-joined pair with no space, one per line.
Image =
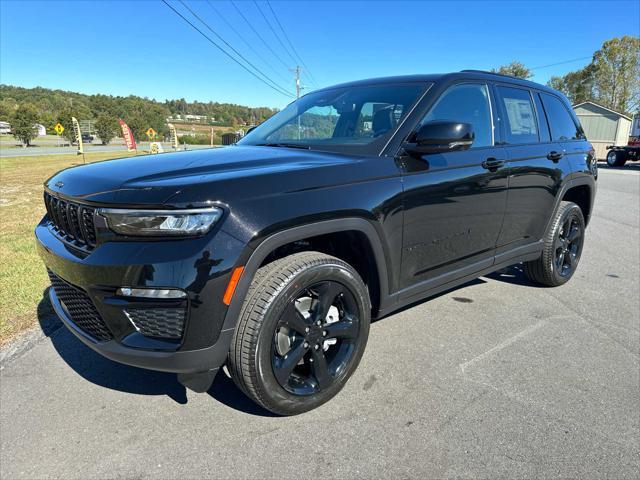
499,378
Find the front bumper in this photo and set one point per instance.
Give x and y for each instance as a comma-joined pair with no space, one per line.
200,266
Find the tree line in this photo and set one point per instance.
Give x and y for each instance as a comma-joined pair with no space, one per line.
22,107
611,79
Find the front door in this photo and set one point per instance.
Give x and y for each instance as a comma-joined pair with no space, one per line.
454,202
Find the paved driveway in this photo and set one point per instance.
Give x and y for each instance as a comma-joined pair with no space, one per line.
496,379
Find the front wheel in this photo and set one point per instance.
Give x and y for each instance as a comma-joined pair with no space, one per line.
302,331
616,159
562,248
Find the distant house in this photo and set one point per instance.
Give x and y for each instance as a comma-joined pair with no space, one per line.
603,126
188,118
41,130
5,128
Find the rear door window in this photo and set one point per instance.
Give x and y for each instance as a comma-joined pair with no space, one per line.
560,121
520,120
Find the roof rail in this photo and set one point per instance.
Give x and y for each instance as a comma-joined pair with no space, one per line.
487,71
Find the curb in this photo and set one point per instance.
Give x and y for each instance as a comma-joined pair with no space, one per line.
29,339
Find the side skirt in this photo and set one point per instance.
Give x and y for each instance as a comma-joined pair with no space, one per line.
450,280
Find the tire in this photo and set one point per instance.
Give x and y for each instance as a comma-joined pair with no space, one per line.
616,159
277,332
562,248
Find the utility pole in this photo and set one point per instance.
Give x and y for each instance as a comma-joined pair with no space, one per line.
297,81
298,88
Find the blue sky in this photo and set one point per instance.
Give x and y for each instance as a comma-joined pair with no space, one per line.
143,48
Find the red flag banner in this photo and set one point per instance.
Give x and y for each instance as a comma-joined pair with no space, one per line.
127,135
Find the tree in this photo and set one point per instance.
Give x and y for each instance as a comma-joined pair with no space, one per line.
617,74
64,117
106,128
23,124
578,86
612,79
514,69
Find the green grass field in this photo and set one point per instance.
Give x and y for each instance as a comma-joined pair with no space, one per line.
23,278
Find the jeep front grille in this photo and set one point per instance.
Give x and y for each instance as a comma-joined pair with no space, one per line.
71,221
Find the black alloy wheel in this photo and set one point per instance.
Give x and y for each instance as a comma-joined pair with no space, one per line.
301,333
315,338
568,246
562,247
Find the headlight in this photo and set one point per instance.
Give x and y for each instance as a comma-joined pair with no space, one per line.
161,222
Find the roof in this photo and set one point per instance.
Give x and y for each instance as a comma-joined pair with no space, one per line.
604,108
435,77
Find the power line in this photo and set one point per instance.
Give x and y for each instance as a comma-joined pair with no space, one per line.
258,35
561,63
266,20
241,37
260,72
223,50
284,33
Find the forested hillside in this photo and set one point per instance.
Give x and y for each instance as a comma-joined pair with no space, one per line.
55,106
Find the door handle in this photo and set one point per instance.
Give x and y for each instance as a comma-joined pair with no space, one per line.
554,156
492,164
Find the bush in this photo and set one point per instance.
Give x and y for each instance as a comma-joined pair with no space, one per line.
107,127
197,139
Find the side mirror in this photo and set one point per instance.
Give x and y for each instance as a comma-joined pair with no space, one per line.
440,136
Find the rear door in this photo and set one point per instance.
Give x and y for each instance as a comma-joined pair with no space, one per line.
566,130
535,164
454,202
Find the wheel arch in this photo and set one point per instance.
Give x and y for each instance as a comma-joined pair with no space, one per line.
581,196
303,232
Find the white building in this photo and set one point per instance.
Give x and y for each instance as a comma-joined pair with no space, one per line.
603,126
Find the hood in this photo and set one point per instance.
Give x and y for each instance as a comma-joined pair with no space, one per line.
155,179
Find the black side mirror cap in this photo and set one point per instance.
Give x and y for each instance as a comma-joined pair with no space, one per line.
439,137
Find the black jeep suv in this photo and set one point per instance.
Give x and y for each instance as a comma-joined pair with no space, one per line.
273,255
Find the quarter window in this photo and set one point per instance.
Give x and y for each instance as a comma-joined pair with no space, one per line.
562,125
519,115
467,103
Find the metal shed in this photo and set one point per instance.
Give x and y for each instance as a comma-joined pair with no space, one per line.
603,126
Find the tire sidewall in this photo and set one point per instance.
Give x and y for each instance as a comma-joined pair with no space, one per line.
270,390
570,210
612,159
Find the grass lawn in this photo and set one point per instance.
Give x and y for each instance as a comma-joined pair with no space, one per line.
23,278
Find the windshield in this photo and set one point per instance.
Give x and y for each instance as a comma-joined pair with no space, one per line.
356,119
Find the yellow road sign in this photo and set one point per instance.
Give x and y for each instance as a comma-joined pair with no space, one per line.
151,133
59,129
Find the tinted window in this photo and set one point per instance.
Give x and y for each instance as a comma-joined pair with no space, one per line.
339,118
560,121
520,119
545,136
468,103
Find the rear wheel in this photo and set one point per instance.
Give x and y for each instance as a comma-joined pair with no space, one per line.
616,158
562,248
301,333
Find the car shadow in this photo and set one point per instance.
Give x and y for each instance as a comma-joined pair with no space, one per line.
513,275
116,376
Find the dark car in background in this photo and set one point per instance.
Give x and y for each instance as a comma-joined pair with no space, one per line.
273,255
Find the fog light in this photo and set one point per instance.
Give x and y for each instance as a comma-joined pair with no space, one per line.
151,292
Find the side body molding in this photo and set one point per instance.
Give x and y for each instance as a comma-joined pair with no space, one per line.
298,233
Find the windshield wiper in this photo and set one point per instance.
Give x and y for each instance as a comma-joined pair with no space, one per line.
286,145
